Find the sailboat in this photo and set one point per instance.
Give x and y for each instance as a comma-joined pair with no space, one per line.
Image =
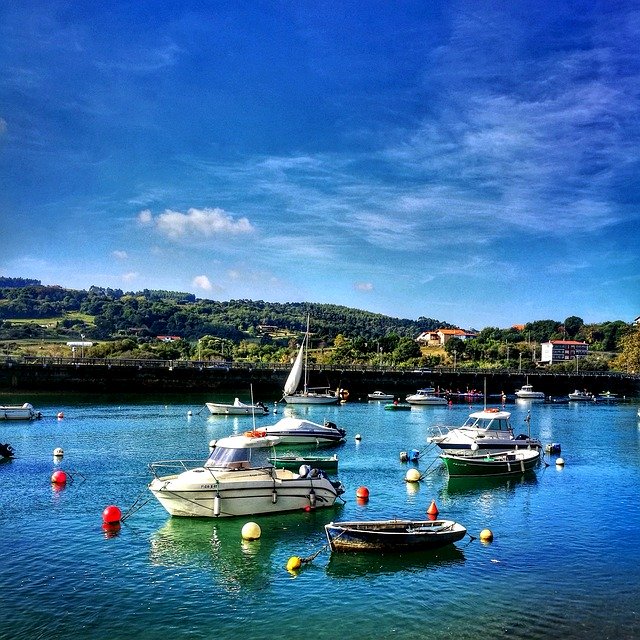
317,395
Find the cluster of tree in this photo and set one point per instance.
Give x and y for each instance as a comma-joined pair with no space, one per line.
130,322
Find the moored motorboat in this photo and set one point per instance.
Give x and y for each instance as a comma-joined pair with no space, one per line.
237,408
236,480
491,464
380,395
607,396
392,535
19,412
294,461
582,396
298,431
526,392
488,430
425,397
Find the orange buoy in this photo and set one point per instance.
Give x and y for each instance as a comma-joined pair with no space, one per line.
362,493
59,477
111,515
433,509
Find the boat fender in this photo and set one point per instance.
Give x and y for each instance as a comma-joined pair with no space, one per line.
304,470
314,473
312,498
414,454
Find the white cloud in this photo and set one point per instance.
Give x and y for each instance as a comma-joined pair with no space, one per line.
196,223
202,282
130,276
119,255
363,286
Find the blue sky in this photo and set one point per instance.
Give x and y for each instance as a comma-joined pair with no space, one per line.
474,162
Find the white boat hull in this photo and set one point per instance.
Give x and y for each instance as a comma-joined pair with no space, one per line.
311,398
218,409
24,412
427,401
198,493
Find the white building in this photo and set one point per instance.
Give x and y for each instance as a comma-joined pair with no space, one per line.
563,351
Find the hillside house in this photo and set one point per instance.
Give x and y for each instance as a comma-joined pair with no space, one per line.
442,336
556,351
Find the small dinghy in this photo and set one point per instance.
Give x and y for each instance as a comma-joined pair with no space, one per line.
294,462
397,406
392,535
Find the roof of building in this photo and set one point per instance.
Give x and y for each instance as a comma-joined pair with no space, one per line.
567,342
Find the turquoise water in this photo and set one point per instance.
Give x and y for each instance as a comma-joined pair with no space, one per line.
565,560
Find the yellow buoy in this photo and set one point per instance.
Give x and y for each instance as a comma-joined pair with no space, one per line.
294,563
251,531
413,475
486,535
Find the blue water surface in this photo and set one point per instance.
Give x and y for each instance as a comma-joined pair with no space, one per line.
564,561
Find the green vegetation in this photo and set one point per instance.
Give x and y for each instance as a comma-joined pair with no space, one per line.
39,320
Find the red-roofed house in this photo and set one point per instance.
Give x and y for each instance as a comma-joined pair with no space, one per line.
563,350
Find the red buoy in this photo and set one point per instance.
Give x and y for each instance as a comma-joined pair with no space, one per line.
362,493
433,509
111,515
59,477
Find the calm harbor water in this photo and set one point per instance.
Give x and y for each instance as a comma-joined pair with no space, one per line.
564,561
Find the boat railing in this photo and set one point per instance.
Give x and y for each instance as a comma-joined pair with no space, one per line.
162,468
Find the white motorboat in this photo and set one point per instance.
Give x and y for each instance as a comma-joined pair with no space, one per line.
526,392
298,431
17,412
425,396
316,395
380,395
582,396
238,408
486,431
236,480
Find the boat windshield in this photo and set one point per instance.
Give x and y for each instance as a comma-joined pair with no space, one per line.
494,424
231,458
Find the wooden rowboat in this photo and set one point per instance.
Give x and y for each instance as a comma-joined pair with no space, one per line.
392,535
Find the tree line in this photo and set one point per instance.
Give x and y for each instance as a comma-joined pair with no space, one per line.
127,324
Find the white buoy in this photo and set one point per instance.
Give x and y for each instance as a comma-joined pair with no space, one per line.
251,531
358,437
189,413
559,462
58,452
413,475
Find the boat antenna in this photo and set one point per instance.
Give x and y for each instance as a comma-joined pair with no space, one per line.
306,356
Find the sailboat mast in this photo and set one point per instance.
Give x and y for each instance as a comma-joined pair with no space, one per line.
306,355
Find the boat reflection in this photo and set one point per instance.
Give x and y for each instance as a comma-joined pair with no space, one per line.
356,565
468,486
216,547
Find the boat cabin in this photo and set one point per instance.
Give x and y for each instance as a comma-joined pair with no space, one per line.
493,420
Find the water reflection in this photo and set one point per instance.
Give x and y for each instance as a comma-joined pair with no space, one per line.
477,485
356,565
216,547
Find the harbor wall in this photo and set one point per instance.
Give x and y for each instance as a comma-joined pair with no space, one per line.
145,376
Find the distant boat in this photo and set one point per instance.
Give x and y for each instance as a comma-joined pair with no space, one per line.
237,408
583,396
526,392
397,406
392,535
299,371
298,431
17,412
380,395
607,396
505,463
426,397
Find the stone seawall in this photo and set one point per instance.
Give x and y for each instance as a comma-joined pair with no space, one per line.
149,377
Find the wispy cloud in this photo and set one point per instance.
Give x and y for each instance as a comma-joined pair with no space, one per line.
363,286
119,254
